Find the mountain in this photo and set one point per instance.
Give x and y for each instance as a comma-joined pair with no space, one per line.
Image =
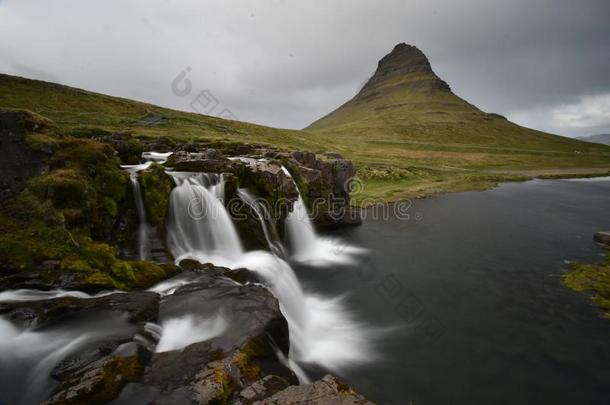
405,100
604,139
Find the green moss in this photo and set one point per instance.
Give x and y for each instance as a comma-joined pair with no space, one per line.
594,279
245,359
225,384
156,189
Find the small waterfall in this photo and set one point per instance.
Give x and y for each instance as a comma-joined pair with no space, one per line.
309,248
199,226
301,234
262,213
144,245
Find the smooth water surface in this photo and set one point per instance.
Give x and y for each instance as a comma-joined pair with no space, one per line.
469,299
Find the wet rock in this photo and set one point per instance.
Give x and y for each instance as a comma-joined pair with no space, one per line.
207,161
325,185
101,380
261,389
218,369
19,161
602,237
329,390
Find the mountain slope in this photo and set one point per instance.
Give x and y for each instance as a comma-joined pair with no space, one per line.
604,139
405,99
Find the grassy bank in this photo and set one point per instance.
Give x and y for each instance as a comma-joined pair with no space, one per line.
593,279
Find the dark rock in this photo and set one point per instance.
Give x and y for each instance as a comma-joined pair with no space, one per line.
602,237
261,389
325,185
127,147
137,306
161,144
153,119
220,368
19,161
329,390
208,161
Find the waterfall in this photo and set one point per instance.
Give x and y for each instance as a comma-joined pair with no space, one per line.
144,230
262,213
199,227
143,227
309,248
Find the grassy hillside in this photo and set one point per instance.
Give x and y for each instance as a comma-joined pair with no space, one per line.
402,150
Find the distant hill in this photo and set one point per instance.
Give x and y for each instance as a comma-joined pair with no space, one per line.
604,139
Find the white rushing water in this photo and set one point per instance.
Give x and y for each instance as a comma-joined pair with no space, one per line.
144,229
27,356
177,333
36,295
309,248
198,223
322,331
143,226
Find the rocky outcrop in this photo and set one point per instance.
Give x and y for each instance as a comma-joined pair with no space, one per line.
19,160
326,183
602,237
115,353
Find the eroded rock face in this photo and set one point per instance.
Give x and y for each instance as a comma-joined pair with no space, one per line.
19,162
325,186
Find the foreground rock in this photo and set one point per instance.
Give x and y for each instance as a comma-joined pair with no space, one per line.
329,390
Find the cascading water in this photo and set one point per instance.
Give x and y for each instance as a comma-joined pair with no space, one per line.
29,355
308,248
199,227
144,246
263,216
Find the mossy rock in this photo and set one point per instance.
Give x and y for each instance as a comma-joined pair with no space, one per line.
156,189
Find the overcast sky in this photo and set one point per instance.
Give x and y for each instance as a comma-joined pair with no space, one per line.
542,63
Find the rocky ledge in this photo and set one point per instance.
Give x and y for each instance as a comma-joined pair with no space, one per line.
130,348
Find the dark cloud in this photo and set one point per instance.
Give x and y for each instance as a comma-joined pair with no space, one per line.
287,63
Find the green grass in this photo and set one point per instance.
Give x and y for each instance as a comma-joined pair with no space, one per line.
451,145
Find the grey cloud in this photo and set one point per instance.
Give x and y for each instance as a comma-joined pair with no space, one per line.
284,63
